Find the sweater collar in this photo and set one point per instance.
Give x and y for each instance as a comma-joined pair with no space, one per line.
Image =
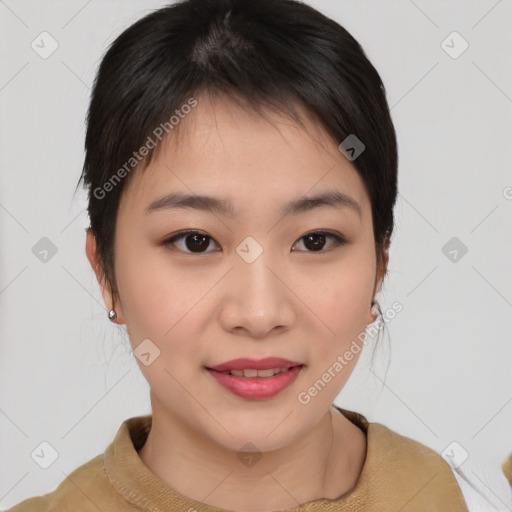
138,485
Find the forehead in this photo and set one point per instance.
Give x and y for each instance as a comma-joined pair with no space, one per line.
226,151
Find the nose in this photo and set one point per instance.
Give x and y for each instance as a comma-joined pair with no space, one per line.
256,300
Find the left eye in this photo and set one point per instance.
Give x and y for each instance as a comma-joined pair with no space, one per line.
196,242
316,240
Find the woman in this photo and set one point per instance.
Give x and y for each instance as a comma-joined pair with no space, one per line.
242,172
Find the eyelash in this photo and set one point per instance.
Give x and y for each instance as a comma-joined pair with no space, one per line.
338,240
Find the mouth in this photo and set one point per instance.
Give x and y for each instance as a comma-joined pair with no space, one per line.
253,372
254,384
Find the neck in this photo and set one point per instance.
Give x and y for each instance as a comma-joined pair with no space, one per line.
324,463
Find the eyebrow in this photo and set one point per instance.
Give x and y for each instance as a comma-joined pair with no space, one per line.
329,198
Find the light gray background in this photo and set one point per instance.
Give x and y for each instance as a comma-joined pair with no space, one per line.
65,376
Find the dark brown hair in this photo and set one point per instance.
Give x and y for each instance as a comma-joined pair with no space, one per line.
267,55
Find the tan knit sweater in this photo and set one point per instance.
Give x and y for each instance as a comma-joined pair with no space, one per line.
399,474
507,469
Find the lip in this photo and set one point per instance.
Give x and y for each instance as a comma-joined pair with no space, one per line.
245,363
254,388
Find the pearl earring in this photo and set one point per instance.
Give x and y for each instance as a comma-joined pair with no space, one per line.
374,310
112,314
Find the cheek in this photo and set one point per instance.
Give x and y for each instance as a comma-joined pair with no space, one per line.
156,300
350,298
156,309
344,303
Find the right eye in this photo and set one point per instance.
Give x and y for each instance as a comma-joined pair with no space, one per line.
191,241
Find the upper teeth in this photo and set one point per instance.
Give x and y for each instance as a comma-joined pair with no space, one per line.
257,373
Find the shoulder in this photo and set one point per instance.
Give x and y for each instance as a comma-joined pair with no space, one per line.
105,482
400,471
407,467
397,453
392,448
87,489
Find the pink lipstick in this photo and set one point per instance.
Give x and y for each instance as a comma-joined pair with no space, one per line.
256,379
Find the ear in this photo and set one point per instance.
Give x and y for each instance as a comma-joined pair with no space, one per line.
92,255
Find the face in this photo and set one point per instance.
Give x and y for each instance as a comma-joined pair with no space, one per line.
252,282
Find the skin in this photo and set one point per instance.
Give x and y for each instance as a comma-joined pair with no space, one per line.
204,308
